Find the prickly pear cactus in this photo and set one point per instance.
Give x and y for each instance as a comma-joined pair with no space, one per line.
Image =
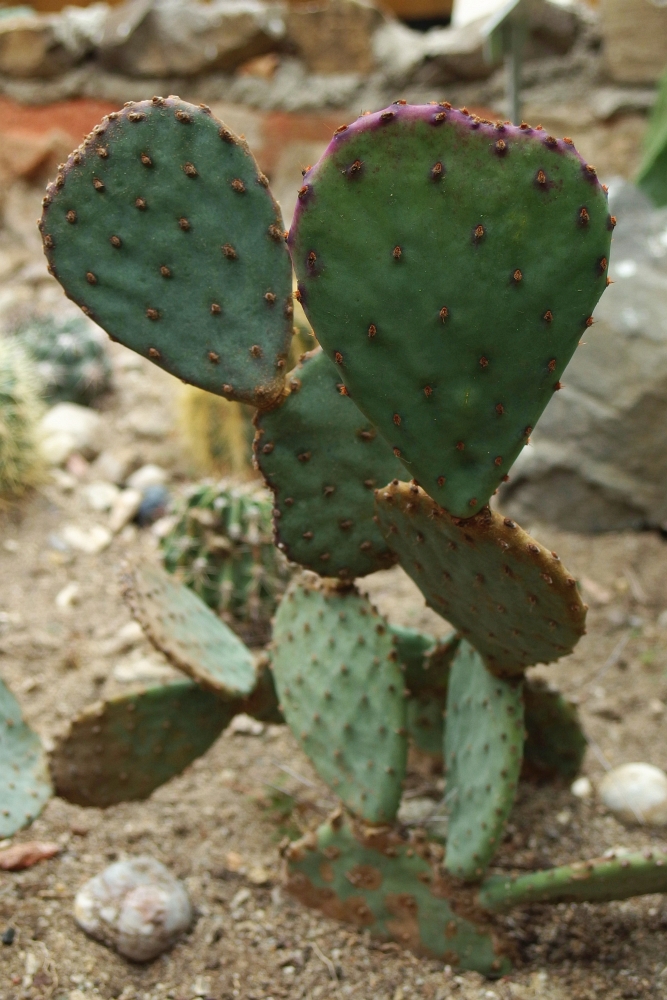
122,749
221,546
506,593
160,223
25,787
483,751
182,627
21,466
395,888
323,459
70,358
342,694
449,267
616,875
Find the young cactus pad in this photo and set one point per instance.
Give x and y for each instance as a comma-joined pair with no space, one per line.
341,692
161,227
124,748
506,593
323,459
374,878
449,267
483,754
25,787
180,625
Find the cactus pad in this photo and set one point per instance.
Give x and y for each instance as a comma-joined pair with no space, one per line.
121,750
617,875
161,227
555,742
180,625
449,266
483,753
425,663
24,778
341,692
322,459
506,593
394,888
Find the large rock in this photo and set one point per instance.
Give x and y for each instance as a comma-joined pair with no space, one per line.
135,906
29,47
335,36
184,37
635,39
598,458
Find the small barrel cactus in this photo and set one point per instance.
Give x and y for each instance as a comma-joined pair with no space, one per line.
20,464
222,547
71,360
217,433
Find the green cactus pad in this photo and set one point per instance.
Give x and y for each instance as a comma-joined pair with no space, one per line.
555,743
394,888
341,692
161,227
617,875
425,663
483,753
121,750
506,593
323,459
450,266
189,634
24,777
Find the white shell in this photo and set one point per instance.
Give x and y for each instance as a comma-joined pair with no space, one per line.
135,906
636,793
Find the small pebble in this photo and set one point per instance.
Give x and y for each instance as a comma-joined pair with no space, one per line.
153,506
135,906
245,725
147,475
8,936
636,793
582,788
125,509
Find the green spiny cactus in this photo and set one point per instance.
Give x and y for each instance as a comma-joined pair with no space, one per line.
616,875
376,878
24,778
395,887
449,267
507,594
20,462
418,224
71,361
221,547
323,459
122,749
483,752
181,626
160,223
341,692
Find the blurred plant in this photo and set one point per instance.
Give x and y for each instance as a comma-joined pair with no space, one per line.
20,409
221,546
71,360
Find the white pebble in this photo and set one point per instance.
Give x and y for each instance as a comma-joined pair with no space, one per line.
582,788
636,793
135,906
147,475
100,495
90,540
68,596
124,509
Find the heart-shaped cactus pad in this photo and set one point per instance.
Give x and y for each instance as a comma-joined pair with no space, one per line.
449,266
